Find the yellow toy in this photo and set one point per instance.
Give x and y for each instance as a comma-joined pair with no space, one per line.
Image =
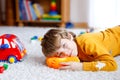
54,62
40,38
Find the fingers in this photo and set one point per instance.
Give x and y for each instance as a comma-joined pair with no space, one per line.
64,63
65,66
71,66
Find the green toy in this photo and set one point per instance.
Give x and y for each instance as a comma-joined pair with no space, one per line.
5,66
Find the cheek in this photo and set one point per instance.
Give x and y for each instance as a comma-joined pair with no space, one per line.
74,49
65,52
71,44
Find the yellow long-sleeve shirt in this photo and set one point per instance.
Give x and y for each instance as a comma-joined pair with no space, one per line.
96,50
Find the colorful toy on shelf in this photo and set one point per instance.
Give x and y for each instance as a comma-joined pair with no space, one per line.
4,67
54,62
49,17
53,14
11,48
53,8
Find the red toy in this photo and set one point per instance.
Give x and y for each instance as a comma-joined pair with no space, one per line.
2,68
11,48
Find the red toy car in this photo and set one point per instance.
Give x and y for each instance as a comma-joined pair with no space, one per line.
11,48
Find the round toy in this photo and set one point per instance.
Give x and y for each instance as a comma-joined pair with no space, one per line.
54,62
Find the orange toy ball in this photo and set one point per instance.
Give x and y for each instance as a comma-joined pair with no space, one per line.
54,62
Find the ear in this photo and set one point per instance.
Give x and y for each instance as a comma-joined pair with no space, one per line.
73,34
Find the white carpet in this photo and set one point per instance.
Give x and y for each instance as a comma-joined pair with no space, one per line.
34,68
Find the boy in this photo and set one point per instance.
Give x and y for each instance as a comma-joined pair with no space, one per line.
95,50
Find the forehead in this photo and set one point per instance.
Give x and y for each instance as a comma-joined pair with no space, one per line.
63,41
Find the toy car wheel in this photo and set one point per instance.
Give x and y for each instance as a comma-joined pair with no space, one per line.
12,59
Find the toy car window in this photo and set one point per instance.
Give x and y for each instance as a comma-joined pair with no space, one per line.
6,42
17,41
13,44
0,41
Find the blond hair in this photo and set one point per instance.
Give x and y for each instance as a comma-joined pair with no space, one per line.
52,39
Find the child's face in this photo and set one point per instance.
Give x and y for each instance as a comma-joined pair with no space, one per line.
67,48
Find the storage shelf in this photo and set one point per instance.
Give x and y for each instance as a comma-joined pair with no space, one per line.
62,8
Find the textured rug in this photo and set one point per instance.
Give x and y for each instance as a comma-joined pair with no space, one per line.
34,68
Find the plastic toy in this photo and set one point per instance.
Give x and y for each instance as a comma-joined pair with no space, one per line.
40,38
1,69
34,38
69,25
4,67
53,13
54,62
49,17
82,32
11,48
53,8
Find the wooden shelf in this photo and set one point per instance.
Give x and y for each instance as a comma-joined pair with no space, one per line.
63,7
41,21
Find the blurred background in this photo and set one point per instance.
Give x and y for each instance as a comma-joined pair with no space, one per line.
60,13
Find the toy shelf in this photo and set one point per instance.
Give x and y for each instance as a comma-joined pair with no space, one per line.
62,8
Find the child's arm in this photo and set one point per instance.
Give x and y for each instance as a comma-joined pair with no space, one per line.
104,63
75,66
101,59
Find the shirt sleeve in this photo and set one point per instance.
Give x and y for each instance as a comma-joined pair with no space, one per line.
103,61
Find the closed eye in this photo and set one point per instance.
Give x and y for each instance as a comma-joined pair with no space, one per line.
64,45
58,54
61,54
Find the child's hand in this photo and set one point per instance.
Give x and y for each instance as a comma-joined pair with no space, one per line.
75,66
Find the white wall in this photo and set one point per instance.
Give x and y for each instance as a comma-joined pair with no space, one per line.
97,13
104,13
79,10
